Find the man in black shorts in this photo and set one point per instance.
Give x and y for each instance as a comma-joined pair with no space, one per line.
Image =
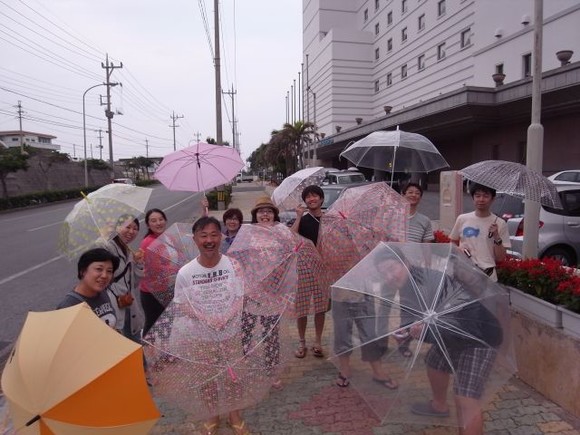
307,224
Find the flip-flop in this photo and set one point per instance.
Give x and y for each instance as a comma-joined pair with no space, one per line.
342,381
387,383
317,352
301,351
426,408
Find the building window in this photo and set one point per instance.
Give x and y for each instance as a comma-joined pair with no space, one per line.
404,71
377,54
389,18
389,79
366,15
376,86
389,44
499,68
441,51
403,34
404,6
441,8
421,62
421,22
466,38
527,65
14,139
377,29
377,5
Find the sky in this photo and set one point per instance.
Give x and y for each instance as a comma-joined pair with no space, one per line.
52,52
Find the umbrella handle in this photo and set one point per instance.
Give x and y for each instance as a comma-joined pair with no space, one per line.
232,374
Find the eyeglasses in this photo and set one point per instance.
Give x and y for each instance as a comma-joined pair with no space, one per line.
265,211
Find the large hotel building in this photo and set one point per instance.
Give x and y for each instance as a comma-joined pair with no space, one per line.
456,71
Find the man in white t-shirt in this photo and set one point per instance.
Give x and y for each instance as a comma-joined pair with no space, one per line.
482,235
209,287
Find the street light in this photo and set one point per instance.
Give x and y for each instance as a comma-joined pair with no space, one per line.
314,157
85,128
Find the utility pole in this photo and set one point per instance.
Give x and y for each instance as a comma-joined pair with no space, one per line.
74,151
109,68
147,148
174,118
232,94
292,104
21,133
218,80
100,144
287,108
197,136
92,152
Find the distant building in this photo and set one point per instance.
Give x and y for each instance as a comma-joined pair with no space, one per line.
456,71
37,140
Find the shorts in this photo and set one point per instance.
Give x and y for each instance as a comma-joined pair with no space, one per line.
472,367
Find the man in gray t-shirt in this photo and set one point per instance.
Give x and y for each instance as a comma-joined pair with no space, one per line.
419,229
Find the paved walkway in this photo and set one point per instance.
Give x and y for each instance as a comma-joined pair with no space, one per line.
310,403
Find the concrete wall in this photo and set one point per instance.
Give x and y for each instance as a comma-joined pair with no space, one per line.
548,361
60,176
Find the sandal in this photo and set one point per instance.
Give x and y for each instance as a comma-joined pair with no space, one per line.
317,351
240,428
210,428
342,381
301,351
387,383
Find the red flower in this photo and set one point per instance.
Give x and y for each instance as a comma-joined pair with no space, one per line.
441,237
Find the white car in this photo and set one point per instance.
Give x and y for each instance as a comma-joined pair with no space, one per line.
559,232
571,176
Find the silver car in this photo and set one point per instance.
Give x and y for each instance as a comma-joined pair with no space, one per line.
559,233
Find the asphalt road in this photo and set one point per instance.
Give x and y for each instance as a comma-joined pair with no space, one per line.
34,276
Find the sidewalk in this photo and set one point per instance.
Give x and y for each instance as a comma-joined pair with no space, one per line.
310,403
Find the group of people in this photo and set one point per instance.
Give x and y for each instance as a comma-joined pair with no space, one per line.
108,278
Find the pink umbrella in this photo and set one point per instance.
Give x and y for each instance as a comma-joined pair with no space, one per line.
199,167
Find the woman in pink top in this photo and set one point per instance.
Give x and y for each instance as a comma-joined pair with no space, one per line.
156,222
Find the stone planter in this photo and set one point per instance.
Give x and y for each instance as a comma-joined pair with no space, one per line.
535,308
498,78
570,322
564,56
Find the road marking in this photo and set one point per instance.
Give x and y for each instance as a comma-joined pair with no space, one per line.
44,226
30,269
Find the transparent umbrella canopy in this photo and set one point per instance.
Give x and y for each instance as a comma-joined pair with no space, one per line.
459,318
97,216
395,151
288,195
515,180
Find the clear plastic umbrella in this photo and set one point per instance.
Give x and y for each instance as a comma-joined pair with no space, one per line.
357,221
395,150
288,195
165,256
97,215
514,179
461,320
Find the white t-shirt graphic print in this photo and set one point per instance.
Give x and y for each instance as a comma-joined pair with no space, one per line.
210,298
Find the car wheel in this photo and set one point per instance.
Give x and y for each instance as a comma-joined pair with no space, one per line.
564,255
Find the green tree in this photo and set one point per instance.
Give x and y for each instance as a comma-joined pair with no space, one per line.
11,160
295,136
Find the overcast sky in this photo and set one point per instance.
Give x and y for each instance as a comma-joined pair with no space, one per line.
52,52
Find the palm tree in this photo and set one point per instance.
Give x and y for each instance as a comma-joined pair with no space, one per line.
298,135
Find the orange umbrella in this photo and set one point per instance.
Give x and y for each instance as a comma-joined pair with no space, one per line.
69,373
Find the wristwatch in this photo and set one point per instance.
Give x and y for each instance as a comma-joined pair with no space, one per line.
498,242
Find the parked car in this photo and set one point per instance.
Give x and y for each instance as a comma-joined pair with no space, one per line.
344,177
559,232
124,181
331,194
566,177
